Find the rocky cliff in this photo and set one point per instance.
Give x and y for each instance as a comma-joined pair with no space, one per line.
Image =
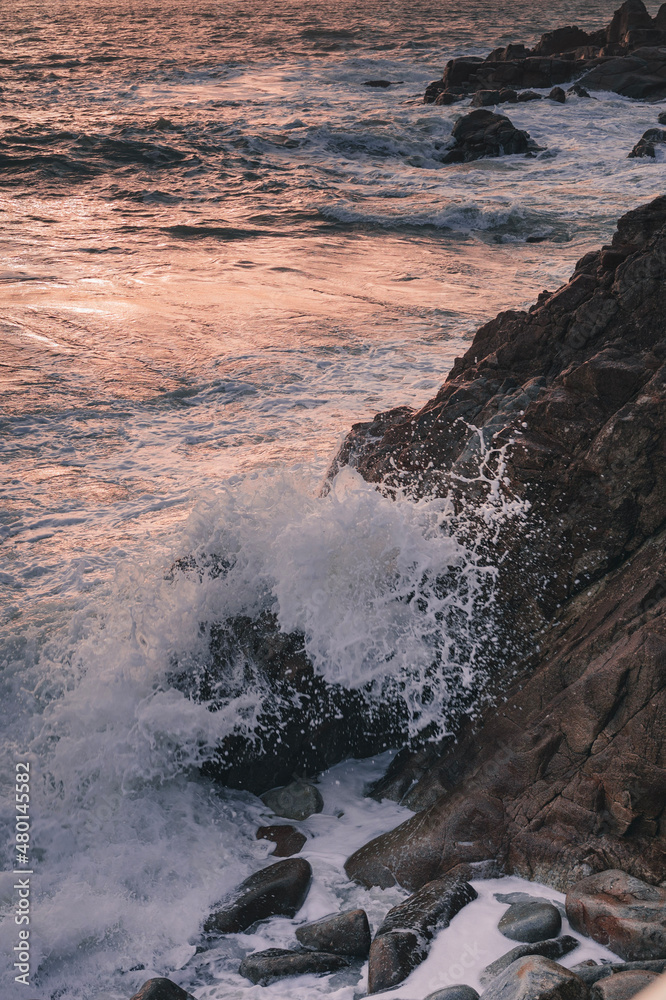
567,775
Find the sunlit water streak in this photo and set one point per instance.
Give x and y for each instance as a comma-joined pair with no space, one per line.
220,249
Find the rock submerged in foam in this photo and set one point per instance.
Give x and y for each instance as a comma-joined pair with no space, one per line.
264,967
345,933
296,801
530,921
278,890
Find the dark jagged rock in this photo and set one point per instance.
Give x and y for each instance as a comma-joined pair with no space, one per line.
623,913
531,921
278,890
622,985
529,95
403,939
578,91
557,94
488,98
592,973
288,841
297,801
315,723
624,57
554,948
482,133
645,145
536,978
567,776
264,967
639,75
341,934
161,989
661,118
457,992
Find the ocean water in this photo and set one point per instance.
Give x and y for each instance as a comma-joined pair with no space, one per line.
220,249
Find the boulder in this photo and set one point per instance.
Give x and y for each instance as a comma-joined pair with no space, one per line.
482,133
315,724
345,933
287,840
536,978
621,912
622,985
563,774
278,890
526,897
530,921
630,16
161,989
639,75
554,948
528,95
403,939
661,118
645,145
264,967
557,94
296,801
456,992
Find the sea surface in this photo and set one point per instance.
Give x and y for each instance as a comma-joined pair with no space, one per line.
221,248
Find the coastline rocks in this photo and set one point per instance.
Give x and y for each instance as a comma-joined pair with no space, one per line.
536,978
287,840
482,133
623,913
627,57
264,967
296,801
340,934
622,985
645,145
555,948
161,989
530,922
457,992
278,890
557,94
565,774
402,941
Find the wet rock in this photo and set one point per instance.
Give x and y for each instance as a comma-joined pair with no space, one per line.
314,723
554,948
279,889
340,933
661,118
297,801
482,133
578,91
622,912
530,921
381,83
639,75
264,967
592,973
646,144
528,95
536,978
457,992
488,98
564,775
557,94
161,989
287,840
403,939
622,985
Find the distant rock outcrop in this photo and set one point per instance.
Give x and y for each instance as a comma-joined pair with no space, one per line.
627,57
